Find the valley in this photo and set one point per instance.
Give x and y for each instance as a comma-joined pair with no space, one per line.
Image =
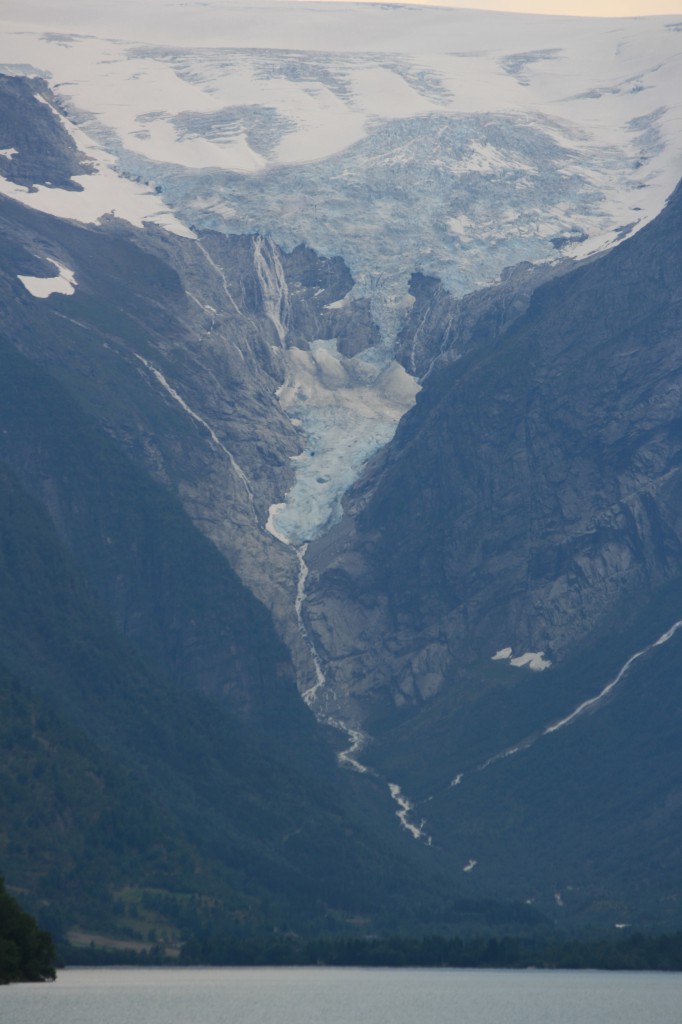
341,419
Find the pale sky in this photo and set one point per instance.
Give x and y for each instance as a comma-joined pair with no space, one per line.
592,8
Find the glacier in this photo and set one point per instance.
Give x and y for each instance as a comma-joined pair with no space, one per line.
452,142
346,409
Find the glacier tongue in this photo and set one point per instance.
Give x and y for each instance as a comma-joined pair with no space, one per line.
346,409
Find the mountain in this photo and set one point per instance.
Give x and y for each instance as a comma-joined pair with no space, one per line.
526,517
129,780
339,446
152,724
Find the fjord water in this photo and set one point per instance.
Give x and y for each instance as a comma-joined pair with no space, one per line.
319,995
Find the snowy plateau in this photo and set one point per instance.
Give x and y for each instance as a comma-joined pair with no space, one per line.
451,142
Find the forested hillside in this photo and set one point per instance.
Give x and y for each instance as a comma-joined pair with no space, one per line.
26,952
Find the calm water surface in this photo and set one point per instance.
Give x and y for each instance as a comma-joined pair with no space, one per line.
309,995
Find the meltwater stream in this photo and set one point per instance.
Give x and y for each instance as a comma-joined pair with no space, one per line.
316,699
587,705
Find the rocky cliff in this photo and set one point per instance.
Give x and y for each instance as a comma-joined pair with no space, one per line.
531,499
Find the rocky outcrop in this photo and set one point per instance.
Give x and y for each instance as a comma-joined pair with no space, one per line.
532,497
318,297
440,326
35,149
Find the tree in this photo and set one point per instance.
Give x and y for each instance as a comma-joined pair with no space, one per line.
27,952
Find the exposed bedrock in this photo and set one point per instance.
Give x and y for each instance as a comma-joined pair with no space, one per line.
530,499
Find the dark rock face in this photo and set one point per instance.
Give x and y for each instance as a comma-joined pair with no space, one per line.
441,327
177,348
45,153
532,498
314,284
188,393
165,586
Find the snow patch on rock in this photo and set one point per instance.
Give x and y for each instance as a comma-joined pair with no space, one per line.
64,283
534,660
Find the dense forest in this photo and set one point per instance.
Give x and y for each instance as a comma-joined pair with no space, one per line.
26,952
637,952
